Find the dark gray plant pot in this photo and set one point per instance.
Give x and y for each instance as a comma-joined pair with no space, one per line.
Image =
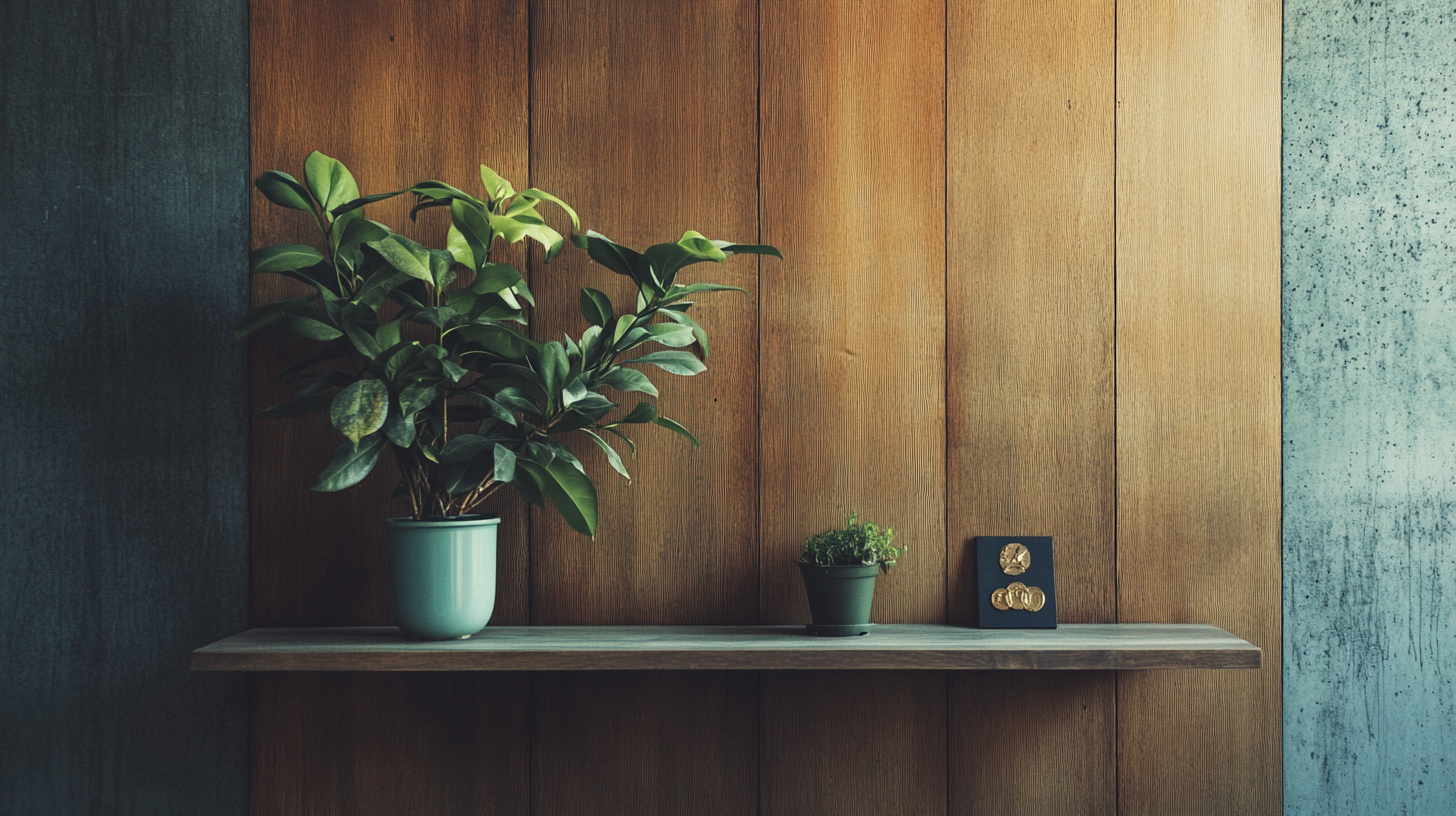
839,598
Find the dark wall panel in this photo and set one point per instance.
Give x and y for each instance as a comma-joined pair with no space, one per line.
123,144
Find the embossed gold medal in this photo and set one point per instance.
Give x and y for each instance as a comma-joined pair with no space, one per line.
1015,559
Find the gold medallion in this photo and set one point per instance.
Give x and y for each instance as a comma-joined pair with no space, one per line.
1037,599
1015,559
1016,595
998,600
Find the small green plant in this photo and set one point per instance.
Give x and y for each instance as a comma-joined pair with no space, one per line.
860,542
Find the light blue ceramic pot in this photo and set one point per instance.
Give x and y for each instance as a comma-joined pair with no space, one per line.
442,575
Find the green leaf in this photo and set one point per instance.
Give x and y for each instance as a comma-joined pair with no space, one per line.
498,339
644,412
379,285
470,220
360,324
329,180
554,367
405,255
632,446
296,407
311,328
494,277
596,307
350,206
624,323
496,187
574,392
497,410
323,382
308,360
388,334
613,458
748,249
441,272
541,195
515,399
674,427
681,363
419,396
399,428
457,246
283,258
283,190
671,334
526,484
269,314
699,333
360,409
615,257
505,463
362,231
572,493
463,447
351,463
626,379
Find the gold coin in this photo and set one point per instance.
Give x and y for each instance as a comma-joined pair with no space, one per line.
998,600
1037,599
1015,559
1016,596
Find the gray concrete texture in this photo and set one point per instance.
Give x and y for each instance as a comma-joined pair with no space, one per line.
1370,407
123,402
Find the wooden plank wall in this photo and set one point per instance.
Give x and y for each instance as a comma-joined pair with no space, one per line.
1018,238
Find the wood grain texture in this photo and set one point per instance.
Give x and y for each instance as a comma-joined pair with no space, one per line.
1030,422
1032,742
853,743
578,648
1198,393
645,742
386,744
399,92
853,361
644,120
852,190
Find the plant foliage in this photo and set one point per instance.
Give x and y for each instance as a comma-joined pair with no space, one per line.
859,543
478,404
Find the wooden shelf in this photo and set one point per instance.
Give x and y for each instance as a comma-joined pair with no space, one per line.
582,648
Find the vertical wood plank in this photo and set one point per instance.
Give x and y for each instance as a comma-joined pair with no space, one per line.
853,362
645,742
852,380
398,92
1030,412
853,742
644,119
1198,394
358,744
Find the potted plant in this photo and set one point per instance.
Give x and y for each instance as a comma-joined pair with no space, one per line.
839,569
421,351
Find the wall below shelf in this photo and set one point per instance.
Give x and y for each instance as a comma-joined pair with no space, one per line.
1088,646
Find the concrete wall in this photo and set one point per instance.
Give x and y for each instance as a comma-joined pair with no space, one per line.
1370,407
123,544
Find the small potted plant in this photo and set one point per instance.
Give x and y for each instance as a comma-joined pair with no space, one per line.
420,351
839,569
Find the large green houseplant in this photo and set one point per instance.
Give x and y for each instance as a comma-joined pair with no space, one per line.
421,350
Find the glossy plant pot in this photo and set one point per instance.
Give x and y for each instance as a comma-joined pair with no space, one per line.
839,598
442,575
